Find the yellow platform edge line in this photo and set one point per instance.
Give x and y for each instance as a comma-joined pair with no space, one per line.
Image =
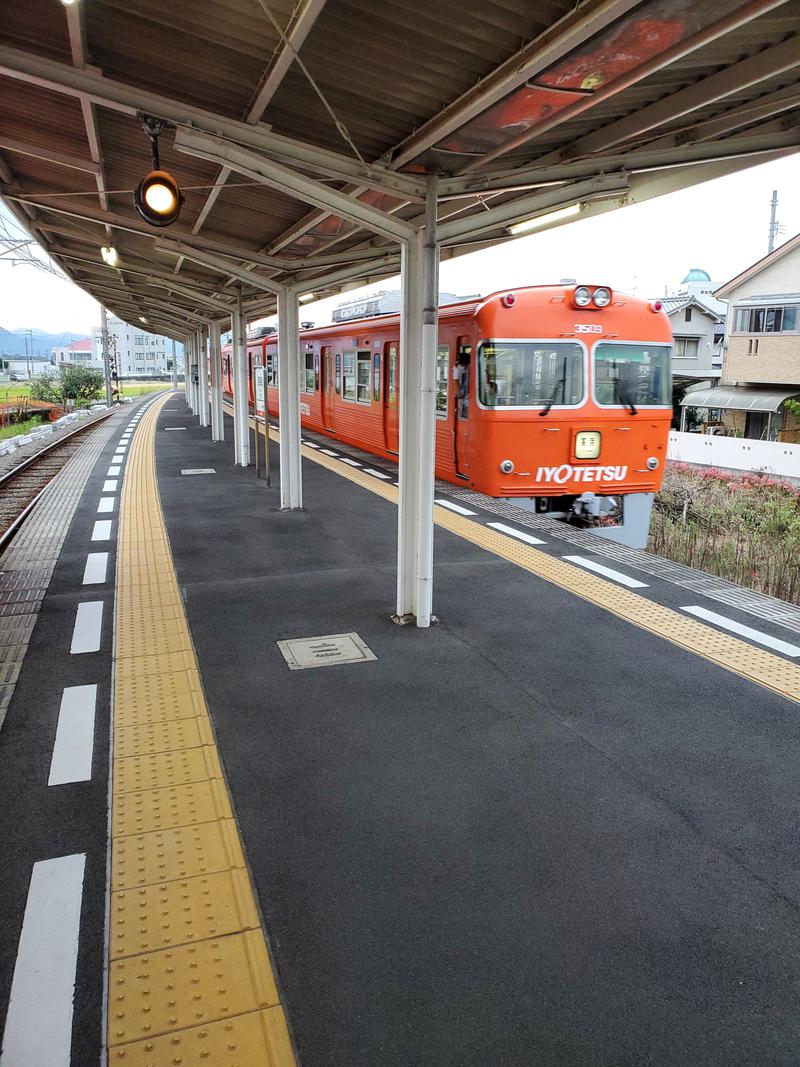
189,974
725,651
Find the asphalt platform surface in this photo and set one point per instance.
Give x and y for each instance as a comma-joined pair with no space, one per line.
534,834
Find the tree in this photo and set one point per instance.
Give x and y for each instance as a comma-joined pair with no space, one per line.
47,388
81,383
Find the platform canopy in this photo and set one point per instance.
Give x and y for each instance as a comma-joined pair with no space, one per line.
302,134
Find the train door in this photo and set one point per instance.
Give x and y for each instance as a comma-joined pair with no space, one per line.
463,374
328,387
391,387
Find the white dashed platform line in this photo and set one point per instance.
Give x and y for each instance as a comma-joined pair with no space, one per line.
377,474
310,444
199,470
520,536
74,744
94,572
607,572
113,472
351,462
454,507
174,427
328,452
39,1022
106,504
88,627
744,631
110,485
102,530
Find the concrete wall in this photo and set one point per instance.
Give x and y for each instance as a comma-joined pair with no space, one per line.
736,454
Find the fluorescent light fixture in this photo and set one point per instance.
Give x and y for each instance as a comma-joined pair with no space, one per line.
545,220
109,255
305,297
142,318
67,3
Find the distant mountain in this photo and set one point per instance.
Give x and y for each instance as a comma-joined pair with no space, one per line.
12,342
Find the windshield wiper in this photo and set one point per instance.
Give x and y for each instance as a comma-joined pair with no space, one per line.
624,398
562,385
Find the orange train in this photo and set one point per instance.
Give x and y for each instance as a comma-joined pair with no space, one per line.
556,397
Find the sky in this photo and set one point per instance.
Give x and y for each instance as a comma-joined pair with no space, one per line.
721,226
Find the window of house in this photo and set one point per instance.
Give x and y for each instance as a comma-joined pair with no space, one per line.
308,372
138,339
685,347
687,315
442,379
778,319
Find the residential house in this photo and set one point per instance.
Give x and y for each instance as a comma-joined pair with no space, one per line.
761,358
79,353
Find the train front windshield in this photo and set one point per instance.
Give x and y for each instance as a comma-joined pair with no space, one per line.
632,374
520,374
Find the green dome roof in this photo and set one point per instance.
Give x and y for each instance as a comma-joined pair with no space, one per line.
697,275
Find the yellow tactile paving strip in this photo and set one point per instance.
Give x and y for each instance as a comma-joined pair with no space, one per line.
755,664
190,981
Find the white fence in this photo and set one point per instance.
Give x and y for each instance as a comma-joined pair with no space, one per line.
736,454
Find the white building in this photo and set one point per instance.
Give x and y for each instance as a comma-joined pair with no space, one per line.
79,353
140,354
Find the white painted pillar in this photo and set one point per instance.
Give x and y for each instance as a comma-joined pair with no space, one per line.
418,341
191,360
289,398
215,359
241,428
202,373
174,364
187,362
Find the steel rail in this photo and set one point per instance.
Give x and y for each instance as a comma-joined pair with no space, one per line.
6,479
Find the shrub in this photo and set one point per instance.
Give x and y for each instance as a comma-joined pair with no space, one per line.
81,383
745,528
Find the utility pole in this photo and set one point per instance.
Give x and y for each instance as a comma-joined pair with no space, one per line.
773,225
29,354
106,362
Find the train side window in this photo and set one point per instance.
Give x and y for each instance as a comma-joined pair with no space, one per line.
463,361
272,368
391,388
442,380
308,376
349,375
376,376
363,375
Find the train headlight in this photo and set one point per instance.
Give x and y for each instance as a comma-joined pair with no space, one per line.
507,466
601,297
587,444
582,296
652,463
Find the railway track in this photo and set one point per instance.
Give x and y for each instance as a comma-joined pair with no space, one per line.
21,487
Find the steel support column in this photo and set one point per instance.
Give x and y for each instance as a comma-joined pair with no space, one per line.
289,398
174,364
191,359
215,360
418,340
202,375
106,353
241,426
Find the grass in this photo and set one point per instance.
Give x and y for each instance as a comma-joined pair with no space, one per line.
139,388
16,428
14,391
745,528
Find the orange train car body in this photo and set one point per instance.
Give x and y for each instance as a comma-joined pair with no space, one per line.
556,397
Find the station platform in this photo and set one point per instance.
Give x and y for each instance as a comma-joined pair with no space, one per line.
558,827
